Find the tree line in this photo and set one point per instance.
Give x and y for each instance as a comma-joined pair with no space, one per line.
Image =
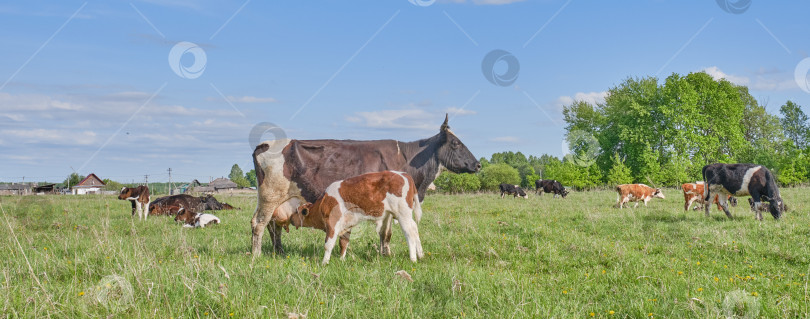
659,133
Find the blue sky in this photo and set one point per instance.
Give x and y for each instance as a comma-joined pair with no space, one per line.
88,86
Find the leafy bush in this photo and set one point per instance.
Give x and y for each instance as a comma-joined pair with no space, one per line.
457,183
495,174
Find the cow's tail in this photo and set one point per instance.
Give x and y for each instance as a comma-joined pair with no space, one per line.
705,185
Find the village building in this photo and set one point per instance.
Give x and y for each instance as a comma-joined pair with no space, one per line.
89,185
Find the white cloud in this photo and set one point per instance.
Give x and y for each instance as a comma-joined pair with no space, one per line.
591,97
48,136
505,139
414,119
459,111
764,80
718,74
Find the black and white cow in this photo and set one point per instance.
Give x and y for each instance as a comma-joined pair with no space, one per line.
742,180
514,190
550,186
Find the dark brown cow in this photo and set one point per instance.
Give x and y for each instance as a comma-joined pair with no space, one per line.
139,196
295,172
170,205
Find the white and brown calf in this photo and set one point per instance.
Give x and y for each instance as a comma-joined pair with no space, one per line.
198,220
375,197
139,196
636,193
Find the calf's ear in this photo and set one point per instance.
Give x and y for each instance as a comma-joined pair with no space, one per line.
304,211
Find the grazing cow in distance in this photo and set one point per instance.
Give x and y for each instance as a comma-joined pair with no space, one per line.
743,180
139,197
636,193
693,192
514,190
198,220
375,197
292,172
169,205
550,186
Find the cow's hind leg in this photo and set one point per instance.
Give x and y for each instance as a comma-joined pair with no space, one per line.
384,229
722,200
275,231
412,236
706,194
327,247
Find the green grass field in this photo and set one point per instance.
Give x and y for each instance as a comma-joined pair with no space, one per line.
74,256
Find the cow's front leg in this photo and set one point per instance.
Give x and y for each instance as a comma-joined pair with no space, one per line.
275,231
138,208
344,244
707,194
133,207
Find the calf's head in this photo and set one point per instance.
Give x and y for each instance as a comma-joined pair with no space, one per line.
184,215
521,193
658,193
565,193
317,214
452,154
125,193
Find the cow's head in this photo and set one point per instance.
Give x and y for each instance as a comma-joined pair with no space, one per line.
452,153
125,193
565,193
658,193
776,207
521,193
733,201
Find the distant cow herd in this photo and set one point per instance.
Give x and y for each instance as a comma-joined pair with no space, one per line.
333,185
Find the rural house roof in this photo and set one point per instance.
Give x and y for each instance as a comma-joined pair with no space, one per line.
90,181
222,182
14,187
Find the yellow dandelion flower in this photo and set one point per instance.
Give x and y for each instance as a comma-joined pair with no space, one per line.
650,315
81,293
604,271
611,312
592,314
698,263
716,279
754,294
565,292
680,273
725,266
206,313
230,314
700,289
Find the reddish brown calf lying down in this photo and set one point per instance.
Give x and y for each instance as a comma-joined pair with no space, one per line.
375,197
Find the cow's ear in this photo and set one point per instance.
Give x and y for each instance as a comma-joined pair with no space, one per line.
445,127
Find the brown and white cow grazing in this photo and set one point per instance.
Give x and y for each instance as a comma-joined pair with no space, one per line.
693,192
139,196
743,180
636,193
292,172
375,197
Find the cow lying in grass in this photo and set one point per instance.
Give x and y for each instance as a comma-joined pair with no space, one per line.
375,197
636,193
192,219
169,205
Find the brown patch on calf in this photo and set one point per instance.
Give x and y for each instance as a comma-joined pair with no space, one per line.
261,148
323,214
409,198
367,192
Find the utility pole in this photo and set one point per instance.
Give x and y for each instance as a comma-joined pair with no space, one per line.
171,188
146,178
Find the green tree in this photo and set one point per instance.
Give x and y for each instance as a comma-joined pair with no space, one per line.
111,185
619,173
457,183
794,122
238,177
72,180
495,174
251,177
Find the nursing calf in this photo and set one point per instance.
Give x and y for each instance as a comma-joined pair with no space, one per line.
693,192
375,197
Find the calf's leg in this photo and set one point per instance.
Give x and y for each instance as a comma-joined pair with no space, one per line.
412,236
384,229
344,244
